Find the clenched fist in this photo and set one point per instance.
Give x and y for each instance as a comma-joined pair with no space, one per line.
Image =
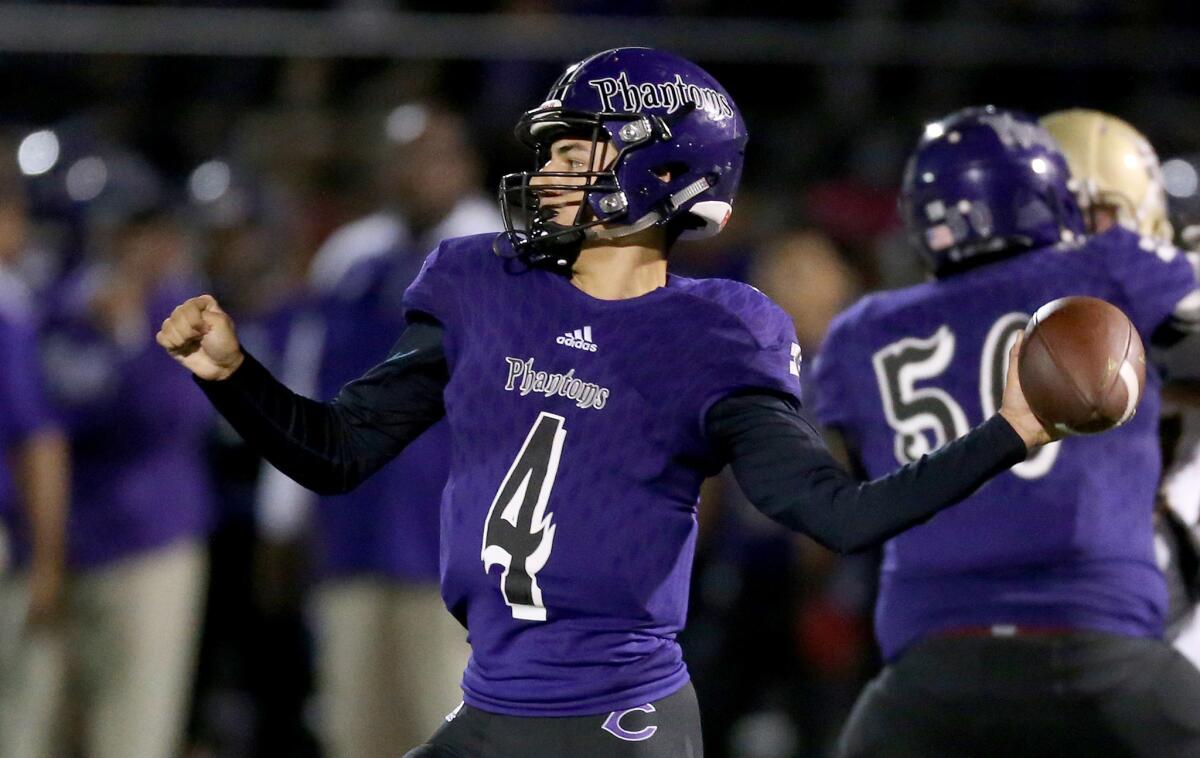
201,336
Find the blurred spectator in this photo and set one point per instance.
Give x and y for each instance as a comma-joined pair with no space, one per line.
727,255
255,248
806,275
803,272
255,674
140,502
777,639
33,488
390,655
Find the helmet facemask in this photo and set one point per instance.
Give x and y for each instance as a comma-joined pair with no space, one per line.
533,231
1148,219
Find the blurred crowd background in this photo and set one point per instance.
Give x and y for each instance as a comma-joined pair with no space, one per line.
301,178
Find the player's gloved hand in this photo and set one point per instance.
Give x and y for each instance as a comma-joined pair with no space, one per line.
202,337
1015,409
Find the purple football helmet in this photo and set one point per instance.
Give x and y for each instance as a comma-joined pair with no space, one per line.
986,182
665,116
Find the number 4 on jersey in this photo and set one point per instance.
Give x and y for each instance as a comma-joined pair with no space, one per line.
519,534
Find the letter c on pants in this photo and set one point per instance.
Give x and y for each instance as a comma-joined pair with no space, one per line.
612,725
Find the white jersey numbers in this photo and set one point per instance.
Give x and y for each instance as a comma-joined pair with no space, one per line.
918,415
925,418
519,534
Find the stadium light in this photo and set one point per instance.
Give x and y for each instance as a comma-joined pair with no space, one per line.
1179,178
407,123
86,179
209,181
38,153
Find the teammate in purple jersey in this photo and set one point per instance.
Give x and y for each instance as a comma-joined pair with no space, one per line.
588,395
1025,621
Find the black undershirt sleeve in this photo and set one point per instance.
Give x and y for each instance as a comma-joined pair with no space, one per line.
786,471
332,447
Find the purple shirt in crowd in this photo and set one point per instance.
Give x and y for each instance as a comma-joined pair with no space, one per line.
578,450
23,409
1063,540
389,524
138,428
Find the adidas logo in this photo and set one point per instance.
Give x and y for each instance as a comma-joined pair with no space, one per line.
580,339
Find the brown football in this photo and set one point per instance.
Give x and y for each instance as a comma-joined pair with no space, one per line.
1083,366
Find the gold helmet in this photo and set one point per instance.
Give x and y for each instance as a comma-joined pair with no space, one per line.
1112,164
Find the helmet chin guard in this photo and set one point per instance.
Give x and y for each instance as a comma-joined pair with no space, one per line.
679,143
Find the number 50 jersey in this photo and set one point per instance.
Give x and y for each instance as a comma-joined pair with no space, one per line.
1063,540
568,522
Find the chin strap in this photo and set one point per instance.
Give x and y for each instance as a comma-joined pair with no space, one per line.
617,232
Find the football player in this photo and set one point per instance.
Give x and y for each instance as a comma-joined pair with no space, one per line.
1027,621
1117,178
589,393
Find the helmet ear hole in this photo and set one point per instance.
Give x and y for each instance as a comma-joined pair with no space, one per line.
668,171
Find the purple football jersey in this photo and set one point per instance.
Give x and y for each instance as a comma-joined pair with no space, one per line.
23,408
578,450
1062,540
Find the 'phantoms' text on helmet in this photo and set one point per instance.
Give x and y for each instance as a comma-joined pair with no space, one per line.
985,182
666,117
1113,164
